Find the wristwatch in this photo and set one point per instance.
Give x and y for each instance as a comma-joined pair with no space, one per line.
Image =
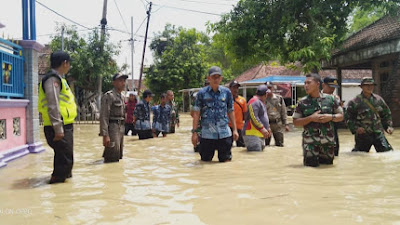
193,131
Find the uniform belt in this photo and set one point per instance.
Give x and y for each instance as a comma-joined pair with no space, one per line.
274,120
116,121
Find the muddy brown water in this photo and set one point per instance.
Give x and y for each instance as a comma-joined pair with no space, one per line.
162,181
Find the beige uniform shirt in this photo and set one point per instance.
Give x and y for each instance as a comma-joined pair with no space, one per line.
276,109
112,108
52,88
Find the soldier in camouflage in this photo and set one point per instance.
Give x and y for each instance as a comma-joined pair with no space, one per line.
316,112
367,117
328,87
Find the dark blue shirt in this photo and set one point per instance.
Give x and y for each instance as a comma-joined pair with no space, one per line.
214,108
142,114
161,117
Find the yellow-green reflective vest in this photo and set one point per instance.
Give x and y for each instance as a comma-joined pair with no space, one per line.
66,101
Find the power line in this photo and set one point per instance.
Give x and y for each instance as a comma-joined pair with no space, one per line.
140,25
120,14
190,10
62,15
121,31
50,34
144,4
159,9
209,3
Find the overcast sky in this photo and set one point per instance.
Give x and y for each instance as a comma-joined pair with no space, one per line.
88,13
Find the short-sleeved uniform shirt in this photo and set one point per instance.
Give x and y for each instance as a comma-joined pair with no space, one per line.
214,108
318,133
240,107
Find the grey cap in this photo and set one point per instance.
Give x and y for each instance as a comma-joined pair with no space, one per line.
118,75
234,83
262,90
214,70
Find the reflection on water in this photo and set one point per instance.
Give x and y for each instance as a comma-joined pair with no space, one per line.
162,181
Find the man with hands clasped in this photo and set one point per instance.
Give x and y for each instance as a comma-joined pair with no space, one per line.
316,112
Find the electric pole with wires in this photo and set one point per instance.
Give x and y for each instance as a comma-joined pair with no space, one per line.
144,47
103,23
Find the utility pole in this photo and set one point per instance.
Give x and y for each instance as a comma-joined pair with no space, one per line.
132,51
103,23
144,47
62,38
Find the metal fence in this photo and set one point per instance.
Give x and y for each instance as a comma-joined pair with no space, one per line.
12,70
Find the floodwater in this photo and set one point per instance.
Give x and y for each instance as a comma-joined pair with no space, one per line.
162,181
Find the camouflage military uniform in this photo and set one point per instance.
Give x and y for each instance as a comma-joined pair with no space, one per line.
112,124
174,116
318,138
360,114
276,110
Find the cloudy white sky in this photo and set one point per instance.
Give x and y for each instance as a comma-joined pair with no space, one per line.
88,13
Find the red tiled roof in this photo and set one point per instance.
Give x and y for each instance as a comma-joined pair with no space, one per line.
129,84
384,29
263,70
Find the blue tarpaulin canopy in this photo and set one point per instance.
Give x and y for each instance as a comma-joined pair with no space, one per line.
277,79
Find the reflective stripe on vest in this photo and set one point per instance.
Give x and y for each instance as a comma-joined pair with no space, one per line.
66,102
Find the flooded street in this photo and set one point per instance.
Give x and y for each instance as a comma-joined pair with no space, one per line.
162,181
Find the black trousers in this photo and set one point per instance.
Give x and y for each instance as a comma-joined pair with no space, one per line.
240,141
145,134
130,127
365,141
63,150
335,129
208,147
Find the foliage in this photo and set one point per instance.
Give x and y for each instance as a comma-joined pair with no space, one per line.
89,60
289,30
361,18
223,57
180,60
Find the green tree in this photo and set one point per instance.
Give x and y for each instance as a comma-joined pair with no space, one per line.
362,17
89,61
179,60
219,54
289,30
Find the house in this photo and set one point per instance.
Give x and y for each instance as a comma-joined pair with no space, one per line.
376,48
290,80
19,117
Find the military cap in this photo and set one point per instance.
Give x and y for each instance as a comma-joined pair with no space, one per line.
331,82
367,80
118,75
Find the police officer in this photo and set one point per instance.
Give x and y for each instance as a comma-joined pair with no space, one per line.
328,87
58,109
316,112
112,124
276,109
368,117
